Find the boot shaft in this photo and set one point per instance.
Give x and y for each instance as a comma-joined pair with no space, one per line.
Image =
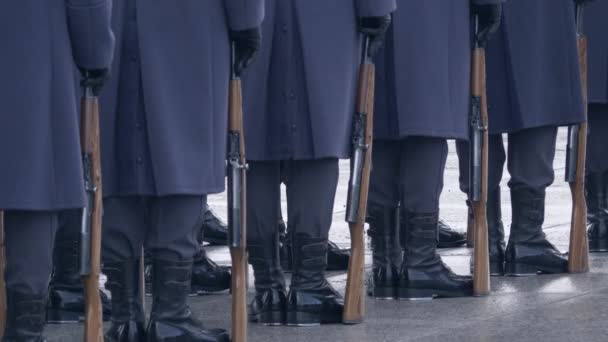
264,258
123,282
419,238
596,194
384,226
171,283
528,214
309,261
496,230
25,317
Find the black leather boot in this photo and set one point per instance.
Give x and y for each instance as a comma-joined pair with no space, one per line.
423,274
24,317
270,302
449,238
171,319
66,291
208,277
386,252
128,319
311,299
214,231
596,194
528,251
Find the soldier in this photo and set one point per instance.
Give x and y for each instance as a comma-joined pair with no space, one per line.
534,86
596,180
39,138
299,100
163,140
421,101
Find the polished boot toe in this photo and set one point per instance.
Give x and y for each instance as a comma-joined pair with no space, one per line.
268,307
215,231
67,305
184,331
433,282
449,238
209,277
309,307
531,258
337,258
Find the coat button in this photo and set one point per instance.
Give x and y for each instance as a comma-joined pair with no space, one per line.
140,160
284,28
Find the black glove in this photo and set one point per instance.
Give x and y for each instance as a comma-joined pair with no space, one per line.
489,21
582,2
375,28
94,79
247,43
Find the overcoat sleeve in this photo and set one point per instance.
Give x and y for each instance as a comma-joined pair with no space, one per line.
89,24
375,8
244,14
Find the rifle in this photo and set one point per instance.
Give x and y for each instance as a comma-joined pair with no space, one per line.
90,246
237,205
478,169
2,283
358,186
578,256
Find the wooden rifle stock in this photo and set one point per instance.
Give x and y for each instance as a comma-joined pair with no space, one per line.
354,301
2,283
237,204
578,255
89,135
481,258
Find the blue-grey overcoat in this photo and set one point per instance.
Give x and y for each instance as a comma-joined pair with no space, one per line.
596,29
182,56
300,91
39,135
533,68
423,72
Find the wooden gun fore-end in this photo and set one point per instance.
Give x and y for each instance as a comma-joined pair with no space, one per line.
354,300
481,257
238,253
93,325
578,254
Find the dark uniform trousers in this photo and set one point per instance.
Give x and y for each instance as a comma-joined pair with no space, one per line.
597,144
166,226
29,238
529,159
311,190
409,171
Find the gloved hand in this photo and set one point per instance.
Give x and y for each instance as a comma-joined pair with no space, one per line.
375,28
95,79
247,44
489,21
582,2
